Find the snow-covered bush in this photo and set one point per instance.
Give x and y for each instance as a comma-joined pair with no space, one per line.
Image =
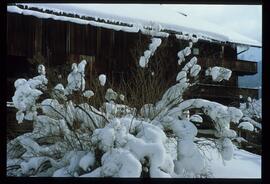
252,108
252,115
76,79
249,128
73,138
26,94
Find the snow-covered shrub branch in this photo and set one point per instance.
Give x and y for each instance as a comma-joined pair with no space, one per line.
252,108
174,95
26,94
251,120
155,43
76,79
73,138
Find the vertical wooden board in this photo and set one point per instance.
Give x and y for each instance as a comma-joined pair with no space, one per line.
125,48
103,50
119,51
81,45
95,44
83,41
64,32
31,30
72,34
7,33
98,42
105,39
86,33
48,40
73,40
72,44
14,39
38,36
57,42
92,40
44,38
78,39
111,52
19,36
68,38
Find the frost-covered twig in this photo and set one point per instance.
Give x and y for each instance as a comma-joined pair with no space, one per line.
69,126
96,126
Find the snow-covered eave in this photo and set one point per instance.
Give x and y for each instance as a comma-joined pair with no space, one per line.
77,20
249,45
218,85
249,87
117,25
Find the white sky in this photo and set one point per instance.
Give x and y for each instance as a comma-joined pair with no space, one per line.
244,19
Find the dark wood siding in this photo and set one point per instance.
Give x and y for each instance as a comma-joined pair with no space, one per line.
59,41
54,42
20,38
114,53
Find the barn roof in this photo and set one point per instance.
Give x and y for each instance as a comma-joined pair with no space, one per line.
151,19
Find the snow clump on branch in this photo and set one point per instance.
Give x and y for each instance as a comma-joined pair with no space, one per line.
26,94
76,81
102,79
218,73
155,43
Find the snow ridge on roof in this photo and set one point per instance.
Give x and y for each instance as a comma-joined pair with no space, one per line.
140,16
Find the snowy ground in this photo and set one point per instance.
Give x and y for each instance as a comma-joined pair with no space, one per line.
243,165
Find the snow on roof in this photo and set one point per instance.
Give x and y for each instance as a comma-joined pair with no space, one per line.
134,17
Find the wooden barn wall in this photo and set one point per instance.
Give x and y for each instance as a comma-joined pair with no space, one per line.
215,50
54,42
212,54
58,40
63,42
20,36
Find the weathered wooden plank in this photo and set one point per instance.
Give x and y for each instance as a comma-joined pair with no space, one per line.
68,39
38,36
98,42
19,35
